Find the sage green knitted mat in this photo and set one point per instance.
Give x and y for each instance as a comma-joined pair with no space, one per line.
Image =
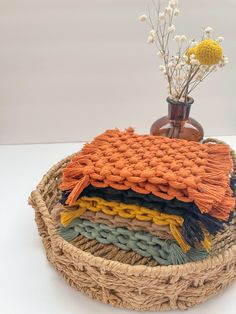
165,252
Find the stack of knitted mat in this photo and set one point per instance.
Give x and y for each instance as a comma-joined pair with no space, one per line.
159,197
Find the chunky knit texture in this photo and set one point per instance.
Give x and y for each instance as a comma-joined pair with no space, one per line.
167,168
164,252
193,219
162,232
96,204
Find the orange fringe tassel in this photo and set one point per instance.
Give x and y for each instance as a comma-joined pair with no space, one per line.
189,171
80,186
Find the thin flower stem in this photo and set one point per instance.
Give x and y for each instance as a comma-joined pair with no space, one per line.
184,82
198,82
177,62
189,79
182,78
168,35
167,53
160,39
157,9
152,25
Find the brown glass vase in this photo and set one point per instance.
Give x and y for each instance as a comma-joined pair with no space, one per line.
178,124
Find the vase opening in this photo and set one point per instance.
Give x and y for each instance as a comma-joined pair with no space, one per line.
179,111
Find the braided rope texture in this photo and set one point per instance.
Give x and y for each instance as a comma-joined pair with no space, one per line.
110,208
164,252
140,287
162,232
194,222
167,168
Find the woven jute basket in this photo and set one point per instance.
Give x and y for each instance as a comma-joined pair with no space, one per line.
130,282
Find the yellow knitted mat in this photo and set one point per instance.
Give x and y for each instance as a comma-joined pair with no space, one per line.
127,211
162,232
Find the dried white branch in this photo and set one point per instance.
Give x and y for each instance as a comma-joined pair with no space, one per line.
183,73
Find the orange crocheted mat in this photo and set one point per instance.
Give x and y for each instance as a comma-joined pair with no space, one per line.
167,168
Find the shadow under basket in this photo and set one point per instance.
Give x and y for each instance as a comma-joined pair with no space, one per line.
126,279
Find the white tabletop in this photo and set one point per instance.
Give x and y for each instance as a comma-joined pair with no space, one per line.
28,283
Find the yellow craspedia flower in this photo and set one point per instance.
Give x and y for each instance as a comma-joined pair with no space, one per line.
189,52
208,52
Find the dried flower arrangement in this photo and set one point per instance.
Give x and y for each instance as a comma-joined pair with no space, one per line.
193,62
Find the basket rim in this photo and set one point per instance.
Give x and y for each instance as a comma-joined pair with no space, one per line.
36,199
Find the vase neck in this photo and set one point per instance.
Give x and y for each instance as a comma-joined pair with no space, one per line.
179,111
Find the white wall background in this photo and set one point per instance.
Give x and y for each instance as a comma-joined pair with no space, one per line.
71,68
